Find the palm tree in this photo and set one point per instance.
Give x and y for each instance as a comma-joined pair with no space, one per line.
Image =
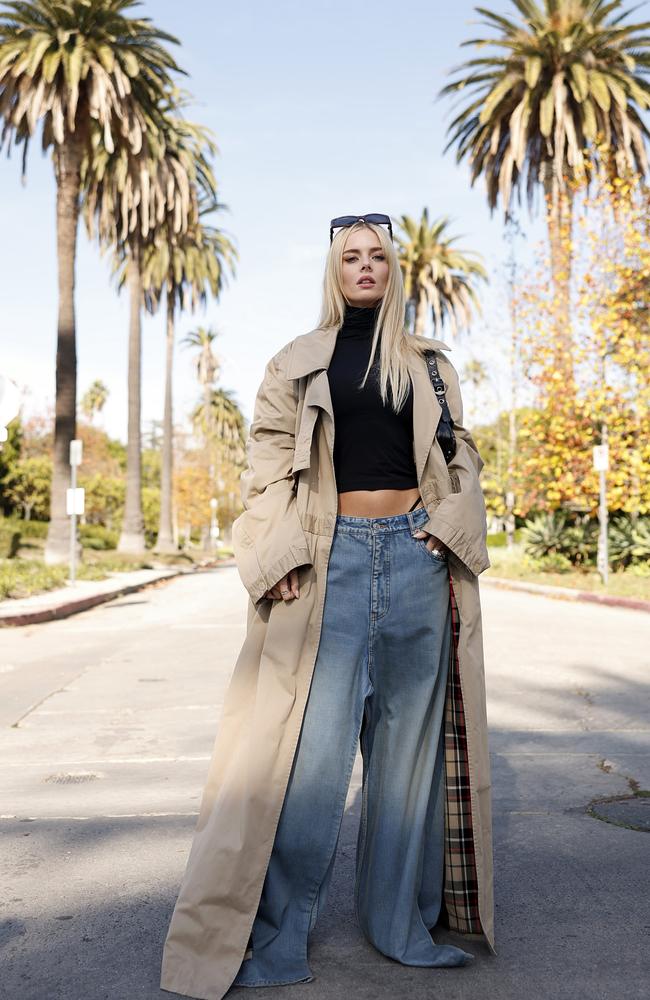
82,68
131,202
563,93
94,399
436,274
218,418
207,370
188,267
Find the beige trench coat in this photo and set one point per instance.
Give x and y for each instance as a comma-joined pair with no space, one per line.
290,500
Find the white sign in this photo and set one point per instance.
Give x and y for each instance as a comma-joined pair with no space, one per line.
601,457
75,452
74,499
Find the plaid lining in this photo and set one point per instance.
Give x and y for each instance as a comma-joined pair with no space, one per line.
460,892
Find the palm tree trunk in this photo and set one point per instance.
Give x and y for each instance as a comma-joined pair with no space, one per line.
165,541
560,225
420,312
132,534
67,169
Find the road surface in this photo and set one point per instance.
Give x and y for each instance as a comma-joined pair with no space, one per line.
107,725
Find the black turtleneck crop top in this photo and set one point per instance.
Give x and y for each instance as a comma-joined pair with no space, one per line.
373,445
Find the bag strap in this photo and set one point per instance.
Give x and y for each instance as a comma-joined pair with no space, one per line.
445,430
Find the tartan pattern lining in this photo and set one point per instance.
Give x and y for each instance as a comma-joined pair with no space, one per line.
460,893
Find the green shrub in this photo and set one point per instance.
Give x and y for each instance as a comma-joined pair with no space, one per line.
553,562
22,577
32,529
96,536
640,568
499,539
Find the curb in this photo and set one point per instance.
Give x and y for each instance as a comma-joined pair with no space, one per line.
70,607
568,593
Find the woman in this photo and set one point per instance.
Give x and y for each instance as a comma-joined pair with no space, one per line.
360,552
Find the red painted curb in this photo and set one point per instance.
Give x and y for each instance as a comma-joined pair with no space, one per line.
568,594
619,602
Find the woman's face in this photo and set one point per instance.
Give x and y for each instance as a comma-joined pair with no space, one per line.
364,268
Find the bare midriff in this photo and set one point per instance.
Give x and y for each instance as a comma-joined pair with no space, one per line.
378,503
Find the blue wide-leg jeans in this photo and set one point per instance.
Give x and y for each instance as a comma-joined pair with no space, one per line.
379,679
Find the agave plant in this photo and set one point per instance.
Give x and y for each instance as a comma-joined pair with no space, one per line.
544,533
629,541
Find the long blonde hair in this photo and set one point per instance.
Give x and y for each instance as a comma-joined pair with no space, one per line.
395,340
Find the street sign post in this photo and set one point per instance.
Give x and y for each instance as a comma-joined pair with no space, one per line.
75,500
214,524
601,465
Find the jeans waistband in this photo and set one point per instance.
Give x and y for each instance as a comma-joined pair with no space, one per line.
410,521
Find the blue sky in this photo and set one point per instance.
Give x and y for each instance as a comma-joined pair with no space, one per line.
319,109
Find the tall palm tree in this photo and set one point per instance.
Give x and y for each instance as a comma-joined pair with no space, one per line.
563,92
218,417
436,274
94,399
189,268
207,370
79,67
129,202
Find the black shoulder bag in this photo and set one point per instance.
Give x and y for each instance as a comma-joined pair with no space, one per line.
445,430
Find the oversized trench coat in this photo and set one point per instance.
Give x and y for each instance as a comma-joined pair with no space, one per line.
290,500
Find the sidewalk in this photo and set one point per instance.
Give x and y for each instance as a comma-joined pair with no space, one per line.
79,596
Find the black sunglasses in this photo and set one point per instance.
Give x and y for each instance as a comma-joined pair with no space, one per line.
349,220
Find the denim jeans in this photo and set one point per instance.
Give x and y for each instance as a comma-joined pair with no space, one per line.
379,678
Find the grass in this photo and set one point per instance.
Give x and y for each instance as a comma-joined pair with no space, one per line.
512,564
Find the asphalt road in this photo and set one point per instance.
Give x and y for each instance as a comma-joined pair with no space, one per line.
107,721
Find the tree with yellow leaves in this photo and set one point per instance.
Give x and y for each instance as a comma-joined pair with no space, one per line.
611,362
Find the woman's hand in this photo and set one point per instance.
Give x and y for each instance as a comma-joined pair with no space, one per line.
289,584
435,542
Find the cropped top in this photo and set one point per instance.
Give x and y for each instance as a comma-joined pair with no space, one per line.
373,445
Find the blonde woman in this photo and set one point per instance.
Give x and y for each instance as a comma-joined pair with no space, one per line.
360,548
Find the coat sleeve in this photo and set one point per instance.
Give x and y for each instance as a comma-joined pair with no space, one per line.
460,519
268,538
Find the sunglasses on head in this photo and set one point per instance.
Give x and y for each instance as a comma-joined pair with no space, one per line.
349,220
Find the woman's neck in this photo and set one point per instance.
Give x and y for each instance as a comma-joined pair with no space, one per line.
359,321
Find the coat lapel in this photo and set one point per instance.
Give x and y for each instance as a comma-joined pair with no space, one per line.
310,357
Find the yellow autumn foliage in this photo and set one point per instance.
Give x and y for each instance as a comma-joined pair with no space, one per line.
609,380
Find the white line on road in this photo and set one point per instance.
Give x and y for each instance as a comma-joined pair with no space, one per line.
143,626
98,816
128,711
102,760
